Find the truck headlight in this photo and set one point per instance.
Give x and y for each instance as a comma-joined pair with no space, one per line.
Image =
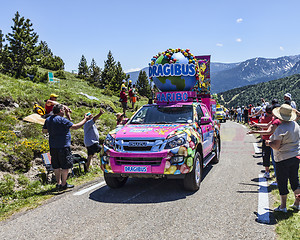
109,141
176,141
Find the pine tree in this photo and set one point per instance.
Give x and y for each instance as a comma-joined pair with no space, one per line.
95,73
83,69
45,51
142,84
22,49
1,49
116,82
1,41
109,70
48,60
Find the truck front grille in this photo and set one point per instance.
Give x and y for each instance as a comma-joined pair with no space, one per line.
138,161
136,149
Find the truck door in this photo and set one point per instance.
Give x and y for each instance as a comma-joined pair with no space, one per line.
209,132
203,130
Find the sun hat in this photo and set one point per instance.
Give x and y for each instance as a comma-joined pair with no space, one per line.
130,81
53,95
285,112
123,80
288,95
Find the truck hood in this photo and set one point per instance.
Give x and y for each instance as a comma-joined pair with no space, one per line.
148,130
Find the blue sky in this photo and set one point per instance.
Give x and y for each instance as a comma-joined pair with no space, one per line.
135,30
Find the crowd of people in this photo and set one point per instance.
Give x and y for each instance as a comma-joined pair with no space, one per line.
280,134
58,124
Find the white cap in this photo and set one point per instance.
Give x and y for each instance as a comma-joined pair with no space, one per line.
288,95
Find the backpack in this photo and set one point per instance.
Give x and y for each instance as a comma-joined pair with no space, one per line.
39,110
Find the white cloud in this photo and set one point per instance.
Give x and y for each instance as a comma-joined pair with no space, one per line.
281,48
219,44
239,20
133,70
238,40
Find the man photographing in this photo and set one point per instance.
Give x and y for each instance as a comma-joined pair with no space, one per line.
58,128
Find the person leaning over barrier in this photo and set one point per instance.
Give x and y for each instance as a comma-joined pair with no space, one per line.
286,145
58,128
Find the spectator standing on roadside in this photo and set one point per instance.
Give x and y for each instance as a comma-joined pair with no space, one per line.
288,99
53,101
231,113
257,113
123,99
132,95
246,111
286,146
249,113
58,128
266,150
91,138
239,114
234,114
268,129
134,98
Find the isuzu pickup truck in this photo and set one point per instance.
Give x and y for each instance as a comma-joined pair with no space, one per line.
175,137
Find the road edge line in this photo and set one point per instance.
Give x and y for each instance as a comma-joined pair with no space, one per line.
89,188
263,210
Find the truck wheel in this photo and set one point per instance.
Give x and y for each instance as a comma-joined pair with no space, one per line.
193,179
114,182
216,150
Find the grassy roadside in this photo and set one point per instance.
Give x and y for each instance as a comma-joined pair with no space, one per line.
21,143
35,193
287,224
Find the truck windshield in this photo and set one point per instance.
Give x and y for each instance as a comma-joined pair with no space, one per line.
163,114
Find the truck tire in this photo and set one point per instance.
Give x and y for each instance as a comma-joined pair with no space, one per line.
216,150
114,182
193,179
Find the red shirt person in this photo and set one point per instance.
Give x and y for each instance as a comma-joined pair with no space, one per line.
123,99
52,101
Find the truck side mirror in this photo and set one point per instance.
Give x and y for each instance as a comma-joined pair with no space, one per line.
205,120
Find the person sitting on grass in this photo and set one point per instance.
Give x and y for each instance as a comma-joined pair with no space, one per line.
120,119
50,104
91,138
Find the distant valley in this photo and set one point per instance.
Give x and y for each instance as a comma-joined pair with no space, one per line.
226,76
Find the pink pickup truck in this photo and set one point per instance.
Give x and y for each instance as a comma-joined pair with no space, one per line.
173,138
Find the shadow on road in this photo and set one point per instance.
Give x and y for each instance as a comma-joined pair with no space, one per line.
143,190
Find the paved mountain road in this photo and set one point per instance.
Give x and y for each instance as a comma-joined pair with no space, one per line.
223,208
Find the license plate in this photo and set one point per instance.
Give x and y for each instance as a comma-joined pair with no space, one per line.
137,169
